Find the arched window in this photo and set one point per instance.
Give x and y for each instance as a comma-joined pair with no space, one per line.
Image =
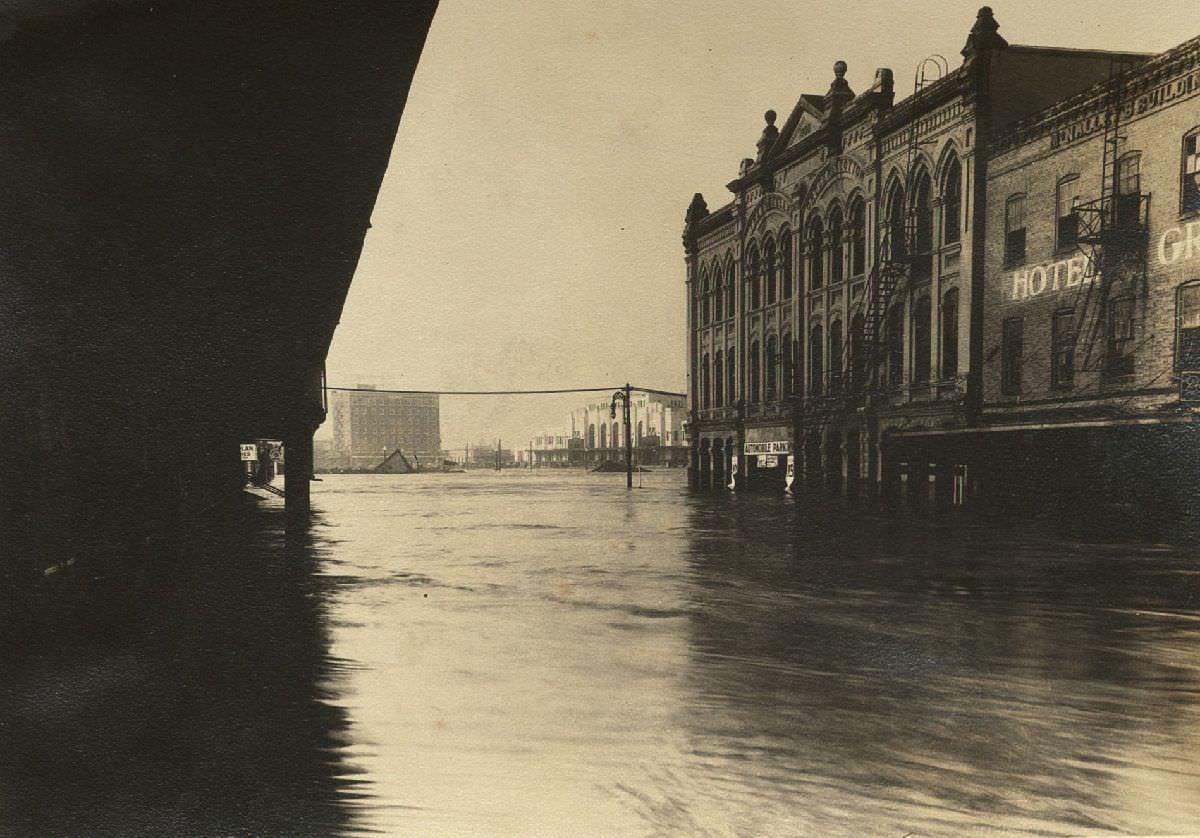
789,372
1189,187
922,339
816,254
614,437
895,346
639,432
858,355
755,372
705,301
752,277
858,238
769,271
785,262
718,294
837,270
772,365
730,292
591,436
718,380
705,383
603,435
950,333
952,203
922,226
835,357
897,247
816,353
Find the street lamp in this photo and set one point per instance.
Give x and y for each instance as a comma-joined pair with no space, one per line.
624,395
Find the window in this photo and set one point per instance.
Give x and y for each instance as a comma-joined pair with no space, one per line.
835,357
952,203
858,238
772,363
896,246
785,346
950,333
1187,319
1190,187
797,363
718,384
858,356
1014,230
769,259
816,254
718,292
1119,359
895,346
705,383
706,302
837,269
1066,197
730,378
755,370
1062,349
816,352
1129,191
1012,347
752,278
785,262
730,293
923,229
922,340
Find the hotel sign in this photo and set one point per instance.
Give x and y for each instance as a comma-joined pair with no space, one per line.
1047,279
782,446
1179,243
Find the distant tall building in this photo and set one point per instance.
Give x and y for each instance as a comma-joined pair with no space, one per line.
368,425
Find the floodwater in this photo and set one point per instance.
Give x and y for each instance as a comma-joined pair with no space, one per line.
549,654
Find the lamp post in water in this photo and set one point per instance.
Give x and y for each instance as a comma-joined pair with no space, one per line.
624,395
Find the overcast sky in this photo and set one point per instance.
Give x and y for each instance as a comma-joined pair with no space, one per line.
527,234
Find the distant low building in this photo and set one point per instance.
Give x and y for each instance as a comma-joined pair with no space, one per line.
369,425
595,436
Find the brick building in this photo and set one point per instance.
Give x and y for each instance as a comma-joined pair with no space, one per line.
845,308
370,425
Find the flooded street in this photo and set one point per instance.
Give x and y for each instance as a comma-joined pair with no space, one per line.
548,654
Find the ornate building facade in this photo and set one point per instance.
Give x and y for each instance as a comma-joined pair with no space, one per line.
846,307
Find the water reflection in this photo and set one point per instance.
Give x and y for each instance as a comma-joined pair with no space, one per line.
184,695
913,676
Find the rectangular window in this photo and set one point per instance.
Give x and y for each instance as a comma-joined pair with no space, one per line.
1119,359
1014,230
1011,350
1187,308
1129,192
1068,219
1062,349
1190,187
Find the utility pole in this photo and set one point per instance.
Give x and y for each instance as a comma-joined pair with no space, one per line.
624,395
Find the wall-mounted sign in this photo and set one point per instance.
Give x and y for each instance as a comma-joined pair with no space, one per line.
1179,244
1051,278
249,451
767,461
781,446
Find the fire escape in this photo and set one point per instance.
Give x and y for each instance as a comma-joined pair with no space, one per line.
903,251
1112,237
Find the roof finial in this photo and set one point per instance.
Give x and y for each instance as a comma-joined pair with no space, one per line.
839,89
769,135
985,34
